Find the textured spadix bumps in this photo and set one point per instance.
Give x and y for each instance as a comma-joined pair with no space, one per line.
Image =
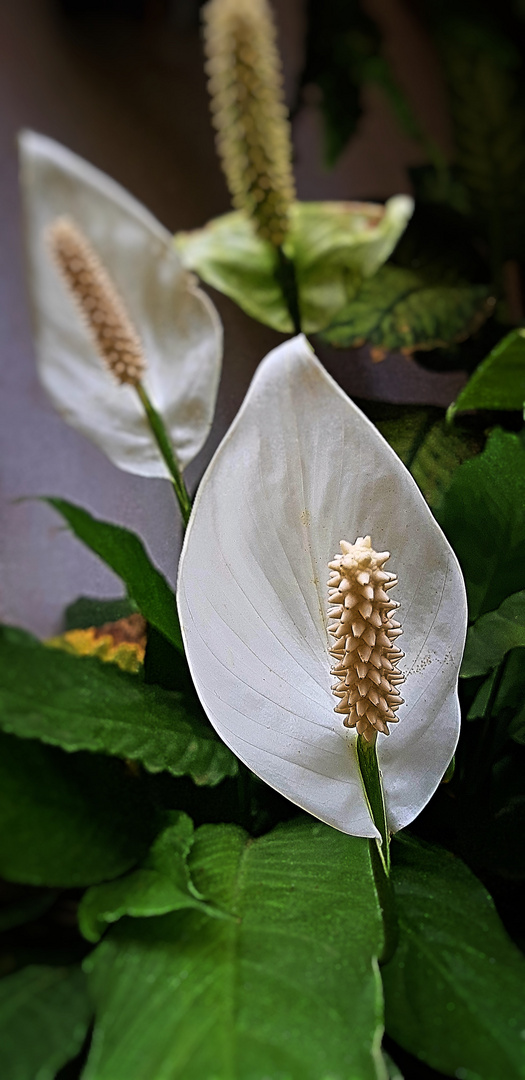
365,633
99,305
179,330
299,469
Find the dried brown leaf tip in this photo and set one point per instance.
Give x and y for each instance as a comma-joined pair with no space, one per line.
253,136
114,336
365,633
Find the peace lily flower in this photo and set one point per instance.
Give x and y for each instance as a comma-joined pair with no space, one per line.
300,470
175,330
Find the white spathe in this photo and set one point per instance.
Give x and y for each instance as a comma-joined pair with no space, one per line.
300,469
178,324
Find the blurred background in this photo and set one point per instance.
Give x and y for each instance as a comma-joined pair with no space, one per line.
121,82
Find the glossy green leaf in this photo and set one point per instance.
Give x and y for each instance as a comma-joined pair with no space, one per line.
504,690
44,1017
289,988
493,635
122,550
399,308
498,382
483,516
68,819
333,246
162,883
454,988
430,448
79,703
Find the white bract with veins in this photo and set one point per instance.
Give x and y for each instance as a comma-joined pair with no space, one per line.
301,469
177,325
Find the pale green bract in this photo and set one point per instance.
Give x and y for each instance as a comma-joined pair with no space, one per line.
179,327
334,247
300,469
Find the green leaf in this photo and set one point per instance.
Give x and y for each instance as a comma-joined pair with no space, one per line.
481,701
483,516
126,555
288,989
332,245
44,1017
68,820
429,447
499,382
493,635
400,308
509,695
88,611
454,988
161,884
79,703
481,69
340,39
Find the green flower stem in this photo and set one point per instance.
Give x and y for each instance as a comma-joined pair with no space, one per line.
379,852
285,275
165,447
371,777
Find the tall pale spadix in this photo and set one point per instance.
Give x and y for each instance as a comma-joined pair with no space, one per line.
300,468
175,326
253,135
100,306
365,633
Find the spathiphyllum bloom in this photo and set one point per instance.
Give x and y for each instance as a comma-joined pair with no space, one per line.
113,306
302,490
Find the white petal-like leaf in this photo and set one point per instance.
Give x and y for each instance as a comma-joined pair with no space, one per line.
300,469
179,326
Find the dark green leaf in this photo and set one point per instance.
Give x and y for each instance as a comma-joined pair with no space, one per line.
424,442
499,382
79,703
126,555
493,635
398,309
341,39
92,611
489,128
44,1017
482,699
483,516
161,884
288,989
332,245
454,988
68,820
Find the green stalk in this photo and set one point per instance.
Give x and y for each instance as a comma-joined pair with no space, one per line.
373,787
159,432
379,852
285,276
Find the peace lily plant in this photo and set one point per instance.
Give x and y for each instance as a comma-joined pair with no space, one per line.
313,660
115,312
301,472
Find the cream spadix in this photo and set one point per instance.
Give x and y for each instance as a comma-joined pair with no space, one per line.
179,330
300,468
365,633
